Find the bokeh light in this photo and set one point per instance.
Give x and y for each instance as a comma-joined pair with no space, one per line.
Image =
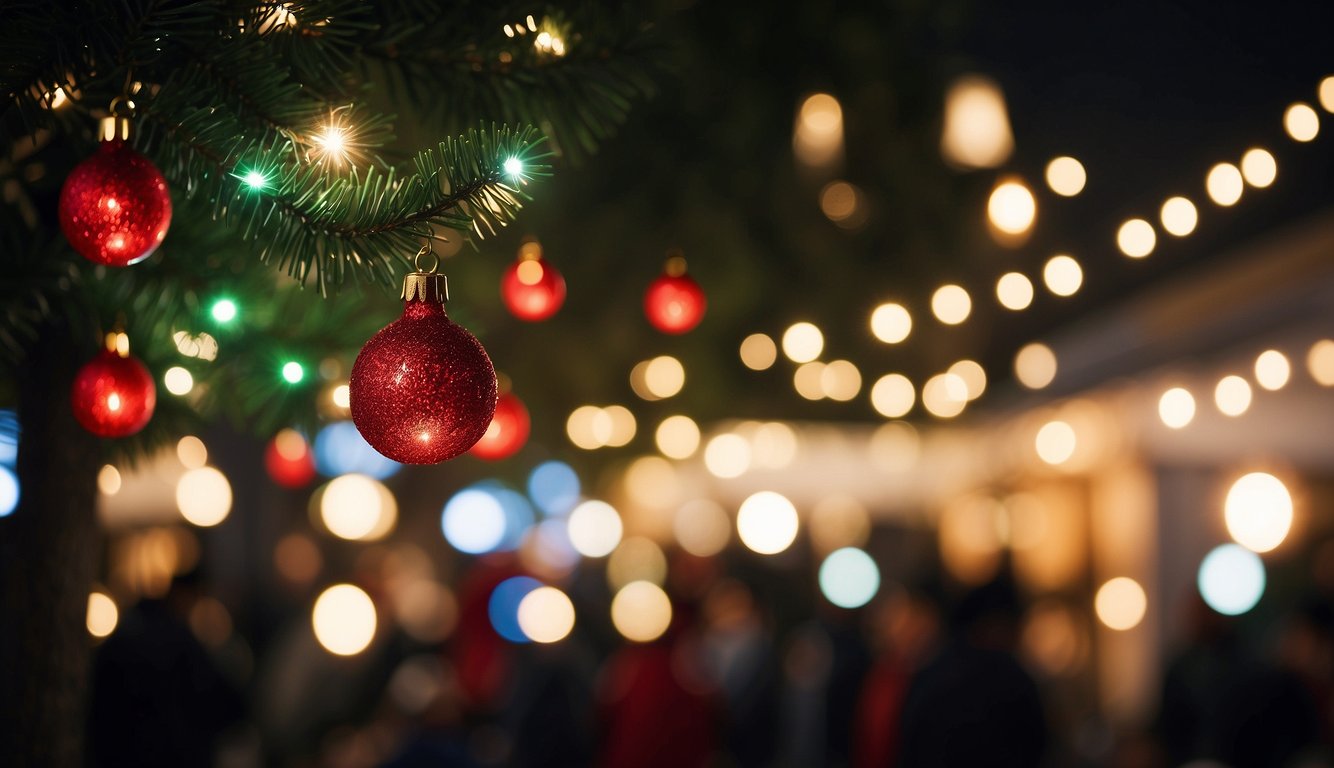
341,450
344,620
1012,207
843,204
773,445
849,578
1301,122
1320,362
1035,365
594,528
9,491
840,381
893,395
473,521
951,304
554,487
191,452
808,380
1272,370
1136,238
204,496
223,310
976,130
546,615
1121,603
802,342
1258,511
358,508
1259,168
1224,184
818,136
102,614
1062,275
1232,395
9,437
641,611
767,523
1066,176
1176,408
1055,442
972,374
293,372
1326,93
1014,291
945,395
727,455
636,559
677,437
108,483
891,322
178,381
503,606
758,352
1179,216
1231,579
623,425
659,378
702,527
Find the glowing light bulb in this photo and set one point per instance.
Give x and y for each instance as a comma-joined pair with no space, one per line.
514,166
1035,365
1176,408
1012,208
891,323
1063,275
1014,291
1224,184
293,372
223,310
1121,604
1272,370
1301,122
255,180
951,304
1258,511
1066,176
1259,168
1136,238
1179,216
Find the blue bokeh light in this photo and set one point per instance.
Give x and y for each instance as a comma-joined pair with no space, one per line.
9,438
474,521
340,450
9,491
1231,579
503,608
849,578
554,487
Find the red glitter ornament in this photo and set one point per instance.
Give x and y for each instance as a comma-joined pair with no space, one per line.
674,303
289,461
423,389
508,431
113,394
114,207
532,289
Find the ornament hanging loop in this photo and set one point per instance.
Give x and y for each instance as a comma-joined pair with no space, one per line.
116,125
426,250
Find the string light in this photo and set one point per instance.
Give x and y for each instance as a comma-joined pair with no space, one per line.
1224,184
1232,395
293,372
255,179
178,381
1272,370
1055,442
973,376
758,352
1136,238
1035,365
951,304
893,395
1259,168
1176,408
1066,176
1301,122
976,131
1179,216
1326,92
802,342
513,167
1012,208
1014,291
223,310
1063,275
891,323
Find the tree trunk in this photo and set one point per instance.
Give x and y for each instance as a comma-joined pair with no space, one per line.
48,556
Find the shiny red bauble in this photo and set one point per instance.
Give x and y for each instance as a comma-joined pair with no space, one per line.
114,207
674,303
508,431
289,460
423,389
113,396
532,289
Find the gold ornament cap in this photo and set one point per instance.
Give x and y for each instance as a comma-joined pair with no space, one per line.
116,126
425,286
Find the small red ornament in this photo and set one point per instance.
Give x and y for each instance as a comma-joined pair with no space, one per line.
423,389
508,431
114,394
532,289
674,303
289,460
114,207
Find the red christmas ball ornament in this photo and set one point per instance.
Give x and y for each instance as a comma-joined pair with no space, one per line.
674,303
532,289
423,389
508,430
114,394
114,207
289,460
